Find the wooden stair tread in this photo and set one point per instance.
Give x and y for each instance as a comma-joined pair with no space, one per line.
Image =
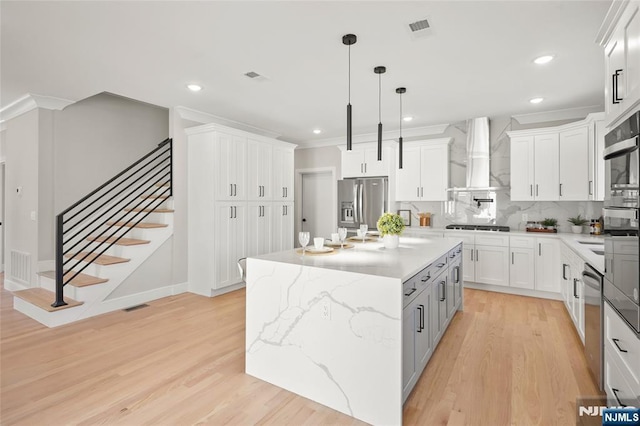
80,280
162,185
139,209
144,225
103,259
44,298
120,242
154,197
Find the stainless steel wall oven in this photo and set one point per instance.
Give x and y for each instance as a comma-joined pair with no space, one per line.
621,288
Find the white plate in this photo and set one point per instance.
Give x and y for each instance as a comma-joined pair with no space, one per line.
322,250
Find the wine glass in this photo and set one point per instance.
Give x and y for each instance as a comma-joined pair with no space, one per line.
363,230
342,234
303,238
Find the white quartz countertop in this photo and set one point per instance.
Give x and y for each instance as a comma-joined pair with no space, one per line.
372,258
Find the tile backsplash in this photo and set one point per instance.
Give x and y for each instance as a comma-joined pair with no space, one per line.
461,207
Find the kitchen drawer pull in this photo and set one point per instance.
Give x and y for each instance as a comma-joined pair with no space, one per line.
425,279
457,274
564,271
421,326
590,187
615,393
575,281
615,342
440,265
444,289
413,290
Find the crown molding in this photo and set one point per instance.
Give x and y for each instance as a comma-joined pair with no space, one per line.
610,20
206,118
569,126
414,132
561,114
30,102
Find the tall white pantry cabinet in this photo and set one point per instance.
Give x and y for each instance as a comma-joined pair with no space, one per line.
240,203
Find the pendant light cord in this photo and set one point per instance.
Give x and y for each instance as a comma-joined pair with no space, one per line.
380,98
349,74
400,114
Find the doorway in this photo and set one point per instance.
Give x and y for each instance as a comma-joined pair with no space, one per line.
1,216
317,211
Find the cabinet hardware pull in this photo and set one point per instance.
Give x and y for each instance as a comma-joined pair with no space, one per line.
230,190
615,342
230,212
564,271
444,295
422,317
590,187
421,191
615,393
477,256
531,190
539,249
613,89
536,189
512,258
440,265
575,281
365,168
413,290
418,191
425,279
457,274
472,255
561,190
616,99
419,330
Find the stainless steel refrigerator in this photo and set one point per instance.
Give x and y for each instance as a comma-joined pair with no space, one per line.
362,201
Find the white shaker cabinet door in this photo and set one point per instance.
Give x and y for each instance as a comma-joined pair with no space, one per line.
352,163
492,265
373,167
408,178
282,187
259,228
230,241
259,180
522,179
575,184
283,238
434,174
522,269
547,252
546,167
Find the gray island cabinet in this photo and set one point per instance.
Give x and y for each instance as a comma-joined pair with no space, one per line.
352,330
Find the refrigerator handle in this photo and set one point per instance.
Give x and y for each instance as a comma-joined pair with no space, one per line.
360,203
356,204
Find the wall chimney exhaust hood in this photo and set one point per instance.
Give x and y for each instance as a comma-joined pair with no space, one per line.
478,157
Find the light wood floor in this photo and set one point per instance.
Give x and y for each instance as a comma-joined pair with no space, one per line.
505,360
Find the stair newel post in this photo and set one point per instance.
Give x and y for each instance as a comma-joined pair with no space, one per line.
59,264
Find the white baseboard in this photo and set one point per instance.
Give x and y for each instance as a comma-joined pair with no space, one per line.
229,289
514,290
46,265
13,286
180,288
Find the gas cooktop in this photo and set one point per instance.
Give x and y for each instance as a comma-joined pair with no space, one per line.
479,227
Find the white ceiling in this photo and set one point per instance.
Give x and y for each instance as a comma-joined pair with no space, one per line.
476,60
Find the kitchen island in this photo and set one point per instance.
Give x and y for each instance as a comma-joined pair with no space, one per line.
351,330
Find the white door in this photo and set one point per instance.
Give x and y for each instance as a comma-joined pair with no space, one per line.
574,165
521,272
547,167
492,265
318,211
522,168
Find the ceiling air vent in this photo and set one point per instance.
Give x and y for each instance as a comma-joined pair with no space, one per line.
252,74
419,25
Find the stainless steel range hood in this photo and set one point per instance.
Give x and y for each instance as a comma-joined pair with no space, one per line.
478,157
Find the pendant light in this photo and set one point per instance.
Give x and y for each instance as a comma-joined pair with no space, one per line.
380,70
349,39
400,91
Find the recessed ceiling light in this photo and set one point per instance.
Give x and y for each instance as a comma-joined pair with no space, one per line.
543,59
407,118
536,100
317,131
194,87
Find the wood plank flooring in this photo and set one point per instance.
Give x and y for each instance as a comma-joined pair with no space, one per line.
505,360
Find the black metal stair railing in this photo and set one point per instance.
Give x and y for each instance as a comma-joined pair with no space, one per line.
100,219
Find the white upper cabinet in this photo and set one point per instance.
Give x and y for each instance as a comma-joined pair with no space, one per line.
575,184
620,36
231,160
259,170
425,171
561,163
283,173
362,160
546,167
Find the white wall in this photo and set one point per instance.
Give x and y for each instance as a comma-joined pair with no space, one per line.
21,170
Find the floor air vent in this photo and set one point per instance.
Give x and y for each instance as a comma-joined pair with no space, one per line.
135,308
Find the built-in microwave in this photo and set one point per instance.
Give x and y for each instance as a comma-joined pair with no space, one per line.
621,156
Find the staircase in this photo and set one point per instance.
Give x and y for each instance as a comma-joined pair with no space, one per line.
101,240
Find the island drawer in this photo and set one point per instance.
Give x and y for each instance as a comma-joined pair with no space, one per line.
455,252
410,290
492,240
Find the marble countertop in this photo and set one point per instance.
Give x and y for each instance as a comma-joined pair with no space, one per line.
372,258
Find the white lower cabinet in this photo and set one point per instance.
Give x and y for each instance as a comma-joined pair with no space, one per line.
230,242
282,226
522,268
259,228
621,359
547,252
492,265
